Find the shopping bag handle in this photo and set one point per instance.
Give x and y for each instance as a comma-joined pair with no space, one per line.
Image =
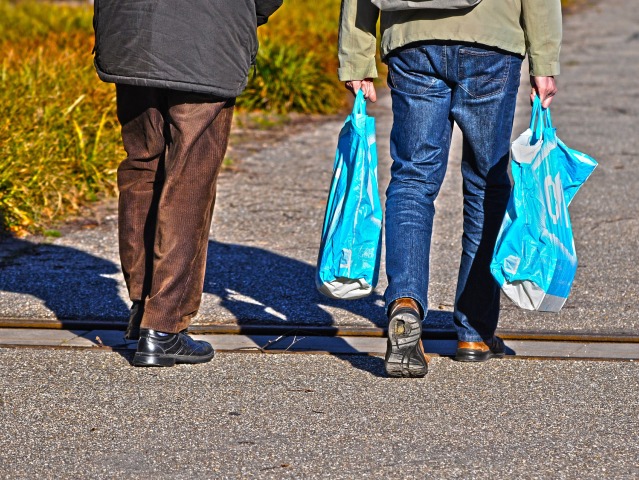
359,106
539,119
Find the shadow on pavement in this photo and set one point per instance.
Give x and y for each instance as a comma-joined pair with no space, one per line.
368,363
72,284
264,288
260,287
256,286
75,286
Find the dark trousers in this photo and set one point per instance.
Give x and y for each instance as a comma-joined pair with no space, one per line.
175,143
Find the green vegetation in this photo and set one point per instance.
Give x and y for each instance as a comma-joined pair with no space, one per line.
59,139
289,79
59,136
297,61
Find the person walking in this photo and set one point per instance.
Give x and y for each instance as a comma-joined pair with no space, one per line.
444,66
177,70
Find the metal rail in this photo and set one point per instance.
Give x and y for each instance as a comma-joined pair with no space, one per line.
319,330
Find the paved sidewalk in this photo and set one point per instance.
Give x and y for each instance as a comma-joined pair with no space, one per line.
268,217
85,413
82,414
298,342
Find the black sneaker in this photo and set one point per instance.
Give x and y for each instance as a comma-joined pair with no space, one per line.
480,351
404,351
135,319
156,350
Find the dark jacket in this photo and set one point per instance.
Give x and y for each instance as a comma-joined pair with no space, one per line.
204,46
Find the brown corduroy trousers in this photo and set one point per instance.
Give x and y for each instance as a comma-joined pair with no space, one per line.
175,143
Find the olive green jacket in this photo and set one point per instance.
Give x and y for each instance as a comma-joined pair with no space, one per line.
530,27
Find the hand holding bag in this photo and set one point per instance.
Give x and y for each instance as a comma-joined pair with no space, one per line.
534,259
349,255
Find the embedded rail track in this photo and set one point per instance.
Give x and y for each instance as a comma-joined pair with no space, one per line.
107,335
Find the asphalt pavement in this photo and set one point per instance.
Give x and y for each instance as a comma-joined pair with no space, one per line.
267,224
82,412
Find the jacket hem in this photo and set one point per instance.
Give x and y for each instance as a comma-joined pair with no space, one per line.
542,69
517,49
171,84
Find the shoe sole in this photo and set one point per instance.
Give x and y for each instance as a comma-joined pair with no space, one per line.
151,360
476,355
404,352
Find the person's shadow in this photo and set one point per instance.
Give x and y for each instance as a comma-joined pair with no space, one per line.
64,284
260,287
256,286
74,285
263,288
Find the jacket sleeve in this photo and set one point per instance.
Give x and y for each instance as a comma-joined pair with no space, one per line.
266,8
357,43
541,20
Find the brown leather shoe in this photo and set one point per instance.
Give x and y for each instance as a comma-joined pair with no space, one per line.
404,351
480,351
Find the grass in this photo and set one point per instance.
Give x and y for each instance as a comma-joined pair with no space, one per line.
290,79
297,60
59,137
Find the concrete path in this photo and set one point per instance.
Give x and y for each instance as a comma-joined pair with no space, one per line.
267,223
299,342
83,414
78,410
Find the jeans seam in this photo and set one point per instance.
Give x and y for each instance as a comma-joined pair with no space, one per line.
466,51
393,76
394,85
503,81
445,61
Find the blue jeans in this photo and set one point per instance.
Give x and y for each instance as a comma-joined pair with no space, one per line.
432,86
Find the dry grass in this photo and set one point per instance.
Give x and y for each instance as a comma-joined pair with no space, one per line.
58,134
59,137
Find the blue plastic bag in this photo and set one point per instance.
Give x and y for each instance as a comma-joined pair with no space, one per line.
534,259
348,263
